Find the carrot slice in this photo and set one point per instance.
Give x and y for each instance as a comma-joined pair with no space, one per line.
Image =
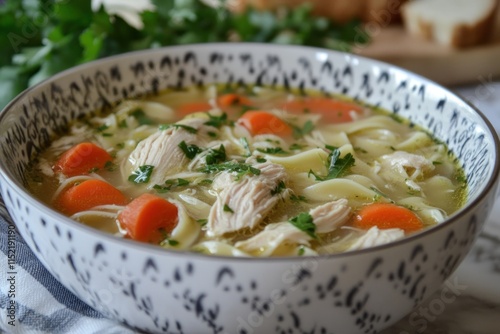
81,159
387,215
231,99
191,108
332,110
88,194
148,218
262,122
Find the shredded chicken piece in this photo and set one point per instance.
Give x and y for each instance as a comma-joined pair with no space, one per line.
274,235
162,151
251,198
329,216
407,164
375,237
326,217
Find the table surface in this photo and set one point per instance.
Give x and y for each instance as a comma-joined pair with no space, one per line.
475,306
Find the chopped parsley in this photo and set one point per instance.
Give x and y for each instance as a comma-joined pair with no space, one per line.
228,209
110,166
239,168
123,124
216,155
307,128
301,250
217,121
299,198
272,150
141,117
102,128
304,222
279,188
170,185
244,142
260,159
296,146
170,242
202,222
337,166
142,174
189,150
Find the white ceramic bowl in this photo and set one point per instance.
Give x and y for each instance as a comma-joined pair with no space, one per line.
156,290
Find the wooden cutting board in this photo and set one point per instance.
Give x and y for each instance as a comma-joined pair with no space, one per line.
475,65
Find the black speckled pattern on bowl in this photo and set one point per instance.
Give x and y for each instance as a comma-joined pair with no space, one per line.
167,292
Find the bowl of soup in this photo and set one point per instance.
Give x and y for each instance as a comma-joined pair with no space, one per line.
247,188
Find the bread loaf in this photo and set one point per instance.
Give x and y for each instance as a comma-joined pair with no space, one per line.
454,23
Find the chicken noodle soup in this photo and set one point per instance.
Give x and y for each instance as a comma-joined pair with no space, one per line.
257,172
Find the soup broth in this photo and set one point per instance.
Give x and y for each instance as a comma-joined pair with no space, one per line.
254,172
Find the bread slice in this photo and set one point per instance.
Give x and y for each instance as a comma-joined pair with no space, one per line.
454,23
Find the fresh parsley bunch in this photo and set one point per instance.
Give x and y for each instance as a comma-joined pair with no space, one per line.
40,38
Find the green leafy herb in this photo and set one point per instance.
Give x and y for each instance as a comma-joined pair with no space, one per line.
304,222
246,146
301,250
110,166
216,155
188,128
272,150
228,209
202,222
170,242
123,124
170,185
102,128
72,33
141,117
217,121
239,168
279,188
296,146
189,150
337,167
260,160
299,198
142,174
307,128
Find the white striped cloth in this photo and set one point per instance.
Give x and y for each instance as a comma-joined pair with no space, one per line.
41,304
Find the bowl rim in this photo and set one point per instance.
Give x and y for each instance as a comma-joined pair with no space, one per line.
131,244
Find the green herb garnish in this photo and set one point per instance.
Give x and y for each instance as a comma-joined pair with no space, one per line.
306,129
189,150
279,188
202,222
216,155
272,150
141,117
142,174
337,166
228,209
72,33
299,198
239,168
110,166
170,185
304,222
246,146
217,121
